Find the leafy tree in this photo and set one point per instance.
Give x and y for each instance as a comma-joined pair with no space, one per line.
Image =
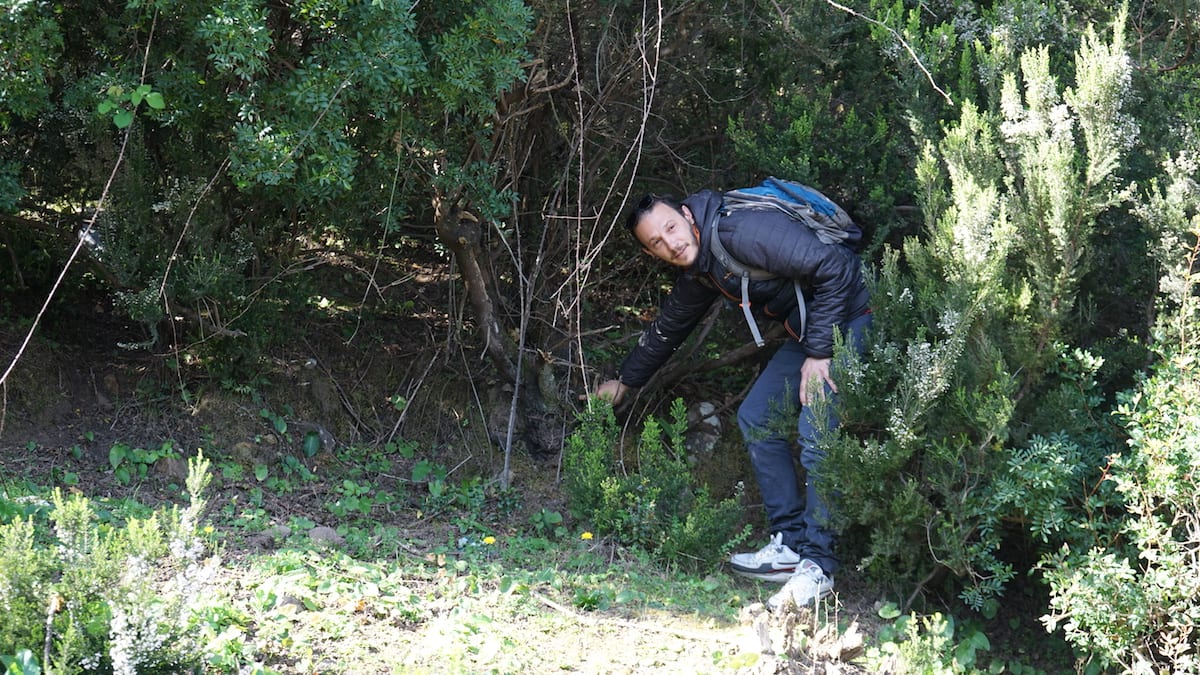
245,136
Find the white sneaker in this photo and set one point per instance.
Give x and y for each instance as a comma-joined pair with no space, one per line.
773,562
806,586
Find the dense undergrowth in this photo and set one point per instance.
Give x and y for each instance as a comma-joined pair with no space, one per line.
214,584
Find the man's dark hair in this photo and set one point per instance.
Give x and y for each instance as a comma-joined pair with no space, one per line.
647,205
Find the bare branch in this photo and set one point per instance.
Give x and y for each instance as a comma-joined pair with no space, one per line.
916,59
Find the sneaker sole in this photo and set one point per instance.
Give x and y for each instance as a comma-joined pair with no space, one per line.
778,576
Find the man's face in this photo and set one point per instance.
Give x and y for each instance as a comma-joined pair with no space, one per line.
669,235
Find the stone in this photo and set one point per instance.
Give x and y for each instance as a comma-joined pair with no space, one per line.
172,468
326,536
704,431
245,452
270,537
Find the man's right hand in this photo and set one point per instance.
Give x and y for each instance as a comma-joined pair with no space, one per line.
612,390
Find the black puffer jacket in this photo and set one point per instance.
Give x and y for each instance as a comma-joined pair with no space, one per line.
830,276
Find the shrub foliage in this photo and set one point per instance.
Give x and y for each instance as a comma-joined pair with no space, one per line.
650,502
1135,601
987,410
102,597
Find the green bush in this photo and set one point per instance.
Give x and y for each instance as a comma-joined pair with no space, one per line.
933,644
975,419
653,504
103,598
1135,601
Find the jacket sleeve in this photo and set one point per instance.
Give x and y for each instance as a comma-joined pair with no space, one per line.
682,309
831,275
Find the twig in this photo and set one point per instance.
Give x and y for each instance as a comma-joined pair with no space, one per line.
916,59
920,587
347,405
83,237
387,224
413,389
53,607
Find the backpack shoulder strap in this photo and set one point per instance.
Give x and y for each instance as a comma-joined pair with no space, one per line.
747,275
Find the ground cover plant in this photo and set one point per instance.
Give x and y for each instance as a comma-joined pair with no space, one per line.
112,585
122,597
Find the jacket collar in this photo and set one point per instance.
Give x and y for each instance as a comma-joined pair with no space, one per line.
703,205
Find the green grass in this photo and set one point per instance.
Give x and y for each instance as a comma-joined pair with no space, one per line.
453,578
456,609
387,602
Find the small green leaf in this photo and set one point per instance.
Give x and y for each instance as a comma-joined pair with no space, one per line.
123,119
889,611
116,455
138,94
106,106
260,472
421,470
155,100
312,443
280,425
23,663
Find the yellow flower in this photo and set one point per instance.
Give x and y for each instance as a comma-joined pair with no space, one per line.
586,536
489,540
208,529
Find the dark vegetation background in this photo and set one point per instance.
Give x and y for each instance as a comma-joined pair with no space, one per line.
392,222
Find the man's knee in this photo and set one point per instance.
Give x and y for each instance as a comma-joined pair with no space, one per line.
751,418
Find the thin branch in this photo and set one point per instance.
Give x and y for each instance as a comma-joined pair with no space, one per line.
387,223
414,387
916,59
87,230
83,237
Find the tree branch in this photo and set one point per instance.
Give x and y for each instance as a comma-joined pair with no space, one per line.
911,52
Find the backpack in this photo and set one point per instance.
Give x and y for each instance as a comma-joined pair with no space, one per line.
820,214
